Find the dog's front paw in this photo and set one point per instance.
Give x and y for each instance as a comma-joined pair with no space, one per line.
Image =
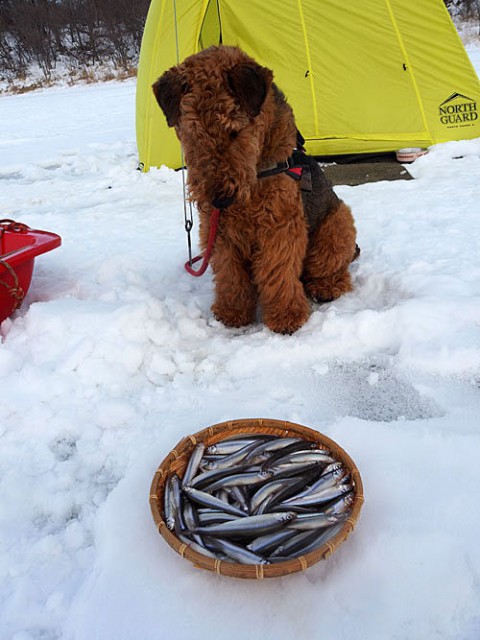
287,320
328,289
233,317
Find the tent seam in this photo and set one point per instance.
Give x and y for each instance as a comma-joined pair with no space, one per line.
309,61
200,23
148,139
409,67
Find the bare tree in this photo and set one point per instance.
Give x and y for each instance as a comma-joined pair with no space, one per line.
470,9
83,32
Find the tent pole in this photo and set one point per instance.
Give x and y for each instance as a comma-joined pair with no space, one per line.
409,69
187,208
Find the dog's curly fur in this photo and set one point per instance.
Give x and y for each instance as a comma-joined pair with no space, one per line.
233,122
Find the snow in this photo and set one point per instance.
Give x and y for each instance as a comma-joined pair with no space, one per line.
115,356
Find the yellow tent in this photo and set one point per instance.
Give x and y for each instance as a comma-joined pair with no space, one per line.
363,76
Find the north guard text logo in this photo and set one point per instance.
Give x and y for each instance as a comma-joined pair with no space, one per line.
458,111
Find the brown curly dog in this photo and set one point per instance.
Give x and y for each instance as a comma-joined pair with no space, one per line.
281,236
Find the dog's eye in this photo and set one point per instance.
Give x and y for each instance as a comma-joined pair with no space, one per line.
233,135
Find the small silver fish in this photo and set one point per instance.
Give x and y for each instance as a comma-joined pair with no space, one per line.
193,463
199,548
210,501
269,541
250,525
235,552
299,457
269,490
324,536
269,447
318,497
327,479
214,516
295,543
203,479
342,505
309,521
227,462
229,446
168,511
176,498
240,480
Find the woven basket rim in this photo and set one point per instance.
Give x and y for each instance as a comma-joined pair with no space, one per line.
177,459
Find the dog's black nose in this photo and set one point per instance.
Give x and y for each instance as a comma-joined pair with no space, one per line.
222,202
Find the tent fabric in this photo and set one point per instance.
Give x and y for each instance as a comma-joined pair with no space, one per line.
364,77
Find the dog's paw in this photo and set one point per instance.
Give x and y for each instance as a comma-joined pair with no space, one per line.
320,296
328,289
287,320
232,317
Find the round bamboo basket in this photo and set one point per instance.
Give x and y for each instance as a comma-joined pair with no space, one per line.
176,462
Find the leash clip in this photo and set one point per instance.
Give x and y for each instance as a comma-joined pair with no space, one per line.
205,257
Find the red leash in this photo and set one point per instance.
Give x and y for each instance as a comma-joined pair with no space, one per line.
222,203
214,216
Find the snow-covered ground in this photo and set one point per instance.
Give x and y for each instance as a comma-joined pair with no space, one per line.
115,356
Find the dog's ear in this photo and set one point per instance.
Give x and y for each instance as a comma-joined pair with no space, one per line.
168,90
250,83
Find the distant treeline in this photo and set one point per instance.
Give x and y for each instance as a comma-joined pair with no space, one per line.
464,9
78,32
82,33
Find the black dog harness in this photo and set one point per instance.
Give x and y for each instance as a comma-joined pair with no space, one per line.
287,166
292,167
318,197
300,167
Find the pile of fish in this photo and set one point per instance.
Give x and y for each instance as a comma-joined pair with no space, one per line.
258,499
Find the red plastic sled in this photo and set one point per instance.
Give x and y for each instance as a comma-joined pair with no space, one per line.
19,246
